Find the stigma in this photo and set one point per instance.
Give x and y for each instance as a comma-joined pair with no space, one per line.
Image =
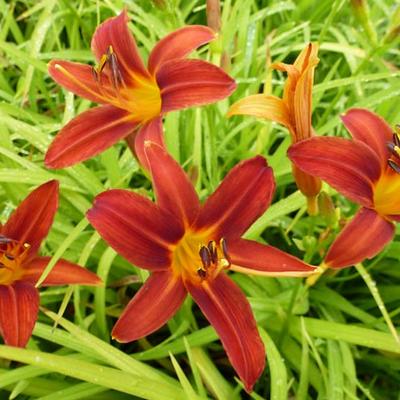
213,259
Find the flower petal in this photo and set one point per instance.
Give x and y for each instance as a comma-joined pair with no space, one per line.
87,135
371,129
174,191
244,194
153,305
349,166
255,258
31,221
78,78
153,132
63,273
188,83
363,237
179,44
229,312
303,95
19,307
135,227
263,106
114,32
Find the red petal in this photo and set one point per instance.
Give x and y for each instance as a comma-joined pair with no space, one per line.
63,273
87,135
255,258
31,221
228,311
174,191
371,129
179,44
363,237
244,194
19,306
153,132
188,83
135,227
78,78
154,304
349,166
114,32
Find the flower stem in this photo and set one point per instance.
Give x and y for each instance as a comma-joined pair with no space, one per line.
371,284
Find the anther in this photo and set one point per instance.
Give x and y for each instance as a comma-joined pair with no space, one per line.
9,256
224,248
5,240
205,256
202,273
395,167
213,251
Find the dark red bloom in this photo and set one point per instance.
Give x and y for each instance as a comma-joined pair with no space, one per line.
366,170
133,96
189,247
21,266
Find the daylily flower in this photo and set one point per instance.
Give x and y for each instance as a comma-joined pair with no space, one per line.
21,266
367,171
133,97
189,248
293,111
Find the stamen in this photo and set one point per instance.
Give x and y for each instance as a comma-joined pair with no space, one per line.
212,247
395,167
202,273
5,240
116,76
224,248
205,256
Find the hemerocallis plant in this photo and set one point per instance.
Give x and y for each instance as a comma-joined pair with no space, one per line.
133,97
293,111
21,266
367,171
189,247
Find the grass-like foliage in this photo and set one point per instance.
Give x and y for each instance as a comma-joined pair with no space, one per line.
334,340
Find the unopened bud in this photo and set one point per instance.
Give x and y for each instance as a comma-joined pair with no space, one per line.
214,15
327,209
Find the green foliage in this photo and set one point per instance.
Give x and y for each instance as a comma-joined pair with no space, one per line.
327,342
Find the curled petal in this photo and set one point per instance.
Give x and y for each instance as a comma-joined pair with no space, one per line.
179,44
79,79
19,306
153,305
303,99
135,227
114,32
228,311
263,106
255,258
63,273
349,166
371,129
363,237
151,131
174,191
187,83
31,221
88,134
244,194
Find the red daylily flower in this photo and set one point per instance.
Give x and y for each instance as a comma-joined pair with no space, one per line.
133,96
293,110
188,247
21,266
366,170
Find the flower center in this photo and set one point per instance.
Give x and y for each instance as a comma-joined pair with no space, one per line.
197,257
140,96
394,148
12,255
